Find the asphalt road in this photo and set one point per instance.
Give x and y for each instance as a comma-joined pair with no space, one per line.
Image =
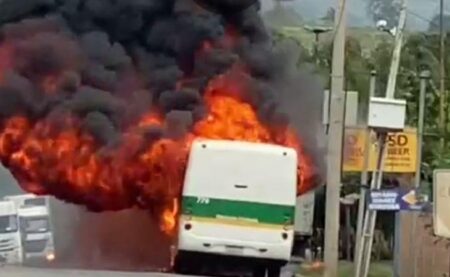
9,271
35,272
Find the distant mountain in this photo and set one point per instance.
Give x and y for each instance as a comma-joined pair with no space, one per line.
281,16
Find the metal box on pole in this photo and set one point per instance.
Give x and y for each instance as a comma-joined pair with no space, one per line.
387,114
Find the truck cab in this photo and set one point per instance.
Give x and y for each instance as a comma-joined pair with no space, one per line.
10,239
37,237
35,228
237,208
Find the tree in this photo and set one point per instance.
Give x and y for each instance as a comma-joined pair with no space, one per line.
330,15
420,52
357,67
388,10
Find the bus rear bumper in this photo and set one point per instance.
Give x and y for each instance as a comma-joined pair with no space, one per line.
234,248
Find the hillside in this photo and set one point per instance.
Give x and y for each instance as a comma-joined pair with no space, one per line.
368,37
282,16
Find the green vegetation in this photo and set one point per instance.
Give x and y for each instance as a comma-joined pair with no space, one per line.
381,269
369,49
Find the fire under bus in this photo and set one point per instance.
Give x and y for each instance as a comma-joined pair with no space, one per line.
238,208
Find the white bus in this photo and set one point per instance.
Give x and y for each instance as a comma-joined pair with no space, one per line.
238,207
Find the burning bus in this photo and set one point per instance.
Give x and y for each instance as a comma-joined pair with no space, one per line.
101,102
238,206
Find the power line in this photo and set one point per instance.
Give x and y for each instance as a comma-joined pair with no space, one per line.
421,17
427,19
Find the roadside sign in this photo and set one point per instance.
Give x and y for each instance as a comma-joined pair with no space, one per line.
384,200
396,200
412,200
401,151
441,207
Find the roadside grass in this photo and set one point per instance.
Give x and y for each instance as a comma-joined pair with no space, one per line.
377,269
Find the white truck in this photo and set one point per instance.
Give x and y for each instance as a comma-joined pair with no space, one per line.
10,239
304,214
304,219
35,228
238,205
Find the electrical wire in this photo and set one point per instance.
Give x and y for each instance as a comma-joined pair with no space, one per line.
421,17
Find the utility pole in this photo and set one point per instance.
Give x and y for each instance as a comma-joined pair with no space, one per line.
443,93
335,145
392,81
424,78
364,175
365,246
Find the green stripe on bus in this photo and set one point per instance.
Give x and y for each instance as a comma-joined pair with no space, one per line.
258,213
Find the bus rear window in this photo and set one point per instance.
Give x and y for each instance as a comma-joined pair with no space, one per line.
39,201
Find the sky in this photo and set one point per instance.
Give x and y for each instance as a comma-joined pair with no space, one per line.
8,185
420,11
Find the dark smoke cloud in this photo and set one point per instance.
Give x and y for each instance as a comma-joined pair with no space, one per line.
108,62
227,7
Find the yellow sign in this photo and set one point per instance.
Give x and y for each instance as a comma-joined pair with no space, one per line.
400,153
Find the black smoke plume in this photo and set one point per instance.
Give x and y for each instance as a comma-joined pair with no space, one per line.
109,61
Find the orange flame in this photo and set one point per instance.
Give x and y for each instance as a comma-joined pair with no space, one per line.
169,216
63,160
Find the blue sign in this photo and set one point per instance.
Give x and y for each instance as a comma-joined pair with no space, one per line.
396,200
384,200
413,200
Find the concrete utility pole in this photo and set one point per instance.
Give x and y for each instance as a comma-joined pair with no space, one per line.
365,246
392,81
424,78
335,144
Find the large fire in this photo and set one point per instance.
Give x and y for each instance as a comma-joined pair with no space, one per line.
58,157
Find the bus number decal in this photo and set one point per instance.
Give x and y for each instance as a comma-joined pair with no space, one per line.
202,200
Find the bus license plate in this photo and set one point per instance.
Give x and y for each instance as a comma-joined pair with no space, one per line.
232,249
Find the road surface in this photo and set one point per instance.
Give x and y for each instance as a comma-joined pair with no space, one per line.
9,271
